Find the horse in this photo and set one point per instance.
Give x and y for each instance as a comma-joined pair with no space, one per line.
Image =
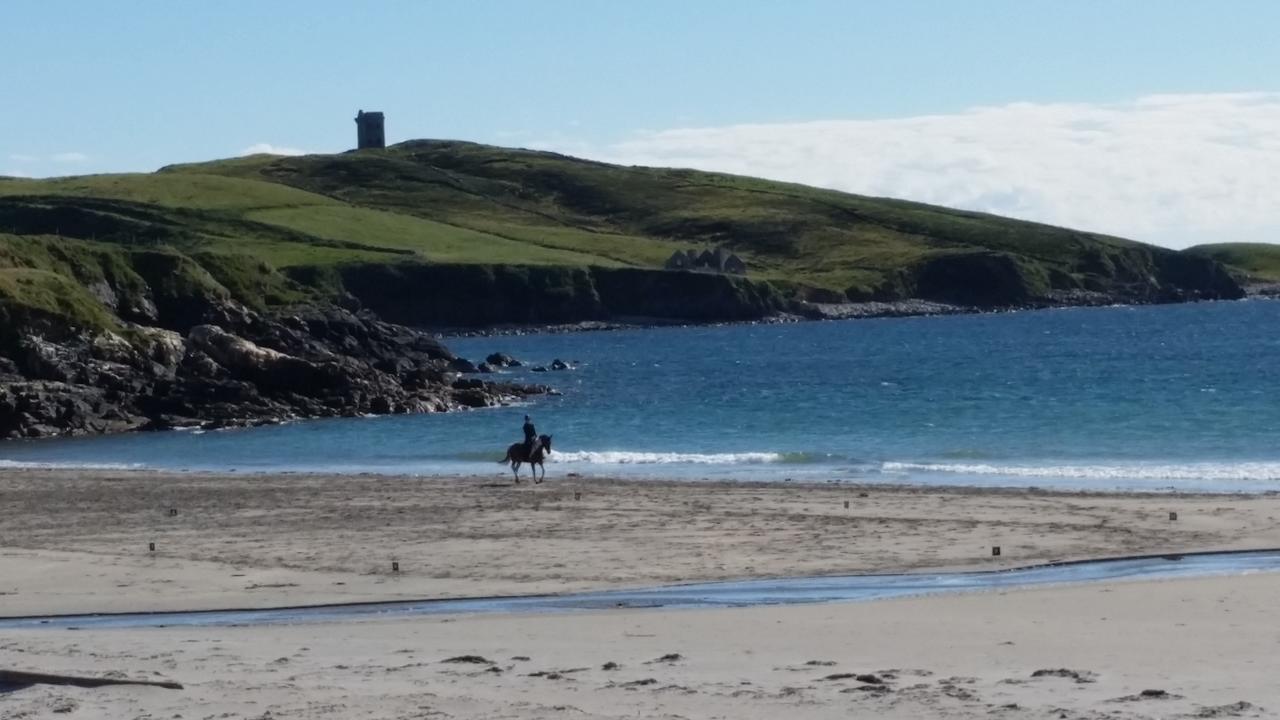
518,454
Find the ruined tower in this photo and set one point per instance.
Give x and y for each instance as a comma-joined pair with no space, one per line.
369,130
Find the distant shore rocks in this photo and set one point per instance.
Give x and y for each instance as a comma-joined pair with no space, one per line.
247,369
502,360
556,365
464,366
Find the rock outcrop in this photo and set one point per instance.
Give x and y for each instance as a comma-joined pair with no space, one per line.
263,368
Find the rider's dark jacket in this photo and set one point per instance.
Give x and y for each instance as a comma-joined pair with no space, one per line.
530,435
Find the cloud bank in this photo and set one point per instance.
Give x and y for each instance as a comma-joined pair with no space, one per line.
1174,170
269,149
62,157
69,157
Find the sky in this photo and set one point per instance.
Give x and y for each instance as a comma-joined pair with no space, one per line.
1158,121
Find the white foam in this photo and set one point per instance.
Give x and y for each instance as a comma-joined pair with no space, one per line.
23,465
1245,471
619,457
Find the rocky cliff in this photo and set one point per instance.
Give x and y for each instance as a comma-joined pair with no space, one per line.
440,295
104,340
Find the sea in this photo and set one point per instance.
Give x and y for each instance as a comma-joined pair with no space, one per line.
1158,398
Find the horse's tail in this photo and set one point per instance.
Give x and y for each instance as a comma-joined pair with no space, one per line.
508,457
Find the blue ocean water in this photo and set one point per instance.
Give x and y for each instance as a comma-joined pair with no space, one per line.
1179,396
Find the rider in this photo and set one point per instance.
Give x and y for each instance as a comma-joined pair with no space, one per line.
530,436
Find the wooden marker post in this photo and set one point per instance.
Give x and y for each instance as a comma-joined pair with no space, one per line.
151,547
995,551
395,566
1173,516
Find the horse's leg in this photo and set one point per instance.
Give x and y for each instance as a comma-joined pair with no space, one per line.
544,471
515,470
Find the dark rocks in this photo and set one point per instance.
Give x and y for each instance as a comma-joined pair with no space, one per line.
34,409
468,660
1080,676
464,366
1154,693
559,364
257,369
502,360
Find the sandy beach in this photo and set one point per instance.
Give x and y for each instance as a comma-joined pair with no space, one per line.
78,541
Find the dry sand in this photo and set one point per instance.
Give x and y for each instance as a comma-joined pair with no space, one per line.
76,541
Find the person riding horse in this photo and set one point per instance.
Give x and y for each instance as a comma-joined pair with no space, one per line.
534,451
530,437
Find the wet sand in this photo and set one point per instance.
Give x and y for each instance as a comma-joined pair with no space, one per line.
78,541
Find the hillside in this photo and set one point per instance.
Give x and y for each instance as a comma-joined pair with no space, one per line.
453,203
1252,262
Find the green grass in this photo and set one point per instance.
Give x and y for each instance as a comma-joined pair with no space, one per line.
1257,261
456,202
428,240
171,190
39,299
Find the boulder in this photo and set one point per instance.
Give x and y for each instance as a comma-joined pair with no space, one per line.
165,348
502,360
474,398
231,351
463,365
271,370
559,364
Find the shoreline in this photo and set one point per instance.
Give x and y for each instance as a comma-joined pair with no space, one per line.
817,312
812,479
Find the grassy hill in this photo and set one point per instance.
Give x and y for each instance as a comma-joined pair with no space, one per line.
272,229
1255,262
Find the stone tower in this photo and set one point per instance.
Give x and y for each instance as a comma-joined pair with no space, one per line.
369,130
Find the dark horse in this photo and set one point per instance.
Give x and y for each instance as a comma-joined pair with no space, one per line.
518,454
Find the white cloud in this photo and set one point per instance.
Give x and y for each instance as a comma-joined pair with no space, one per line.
1169,169
17,157
14,173
270,149
68,157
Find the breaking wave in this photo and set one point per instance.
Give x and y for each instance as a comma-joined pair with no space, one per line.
620,457
23,465
1245,471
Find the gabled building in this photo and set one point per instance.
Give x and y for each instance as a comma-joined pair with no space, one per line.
719,260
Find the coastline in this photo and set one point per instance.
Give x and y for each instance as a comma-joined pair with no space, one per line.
77,541
824,312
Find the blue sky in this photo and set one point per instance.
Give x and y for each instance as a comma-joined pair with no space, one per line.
134,85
